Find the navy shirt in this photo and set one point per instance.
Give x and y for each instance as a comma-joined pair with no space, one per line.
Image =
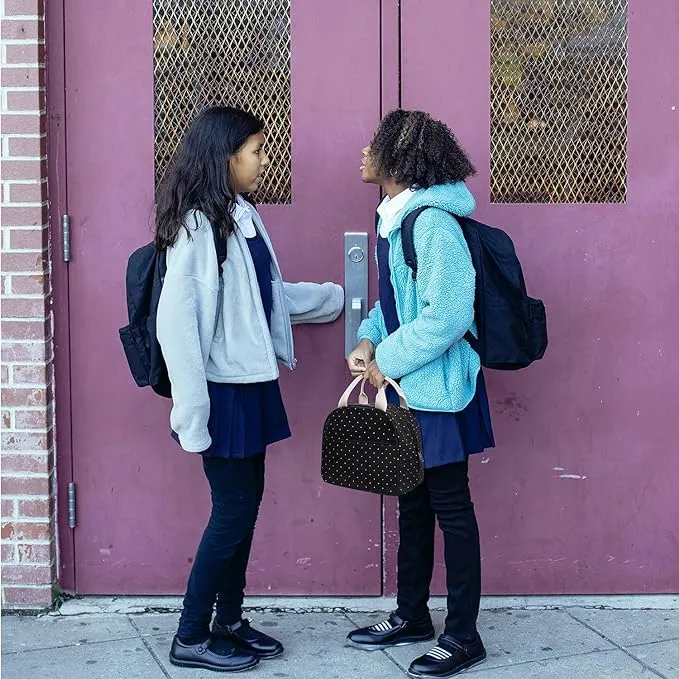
446,437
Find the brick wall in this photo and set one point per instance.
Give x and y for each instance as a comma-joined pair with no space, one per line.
27,458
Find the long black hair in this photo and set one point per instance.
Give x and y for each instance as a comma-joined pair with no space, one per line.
417,150
198,177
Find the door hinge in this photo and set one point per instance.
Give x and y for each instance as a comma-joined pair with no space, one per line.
71,505
66,237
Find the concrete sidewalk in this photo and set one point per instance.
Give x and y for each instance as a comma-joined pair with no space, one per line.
568,643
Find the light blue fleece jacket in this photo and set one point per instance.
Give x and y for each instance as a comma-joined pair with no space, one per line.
437,368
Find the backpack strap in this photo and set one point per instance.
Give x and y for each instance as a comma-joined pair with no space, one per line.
161,266
408,238
220,249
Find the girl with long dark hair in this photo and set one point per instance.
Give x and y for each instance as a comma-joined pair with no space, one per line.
223,329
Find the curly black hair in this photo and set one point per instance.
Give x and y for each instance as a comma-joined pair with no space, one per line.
417,150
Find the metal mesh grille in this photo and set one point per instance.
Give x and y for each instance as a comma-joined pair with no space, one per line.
558,101
224,52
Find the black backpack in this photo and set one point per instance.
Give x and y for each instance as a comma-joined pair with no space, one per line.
512,327
146,269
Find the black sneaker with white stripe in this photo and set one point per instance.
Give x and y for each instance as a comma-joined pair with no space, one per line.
391,632
448,658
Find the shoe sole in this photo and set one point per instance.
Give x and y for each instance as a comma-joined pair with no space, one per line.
462,668
381,647
207,666
261,656
271,656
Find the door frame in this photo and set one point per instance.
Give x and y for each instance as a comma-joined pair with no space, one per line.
57,183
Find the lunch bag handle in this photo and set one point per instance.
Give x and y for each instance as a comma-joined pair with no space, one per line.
380,401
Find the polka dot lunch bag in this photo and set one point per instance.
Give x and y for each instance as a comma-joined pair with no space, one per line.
377,449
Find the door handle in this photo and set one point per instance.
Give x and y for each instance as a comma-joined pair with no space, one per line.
356,312
355,286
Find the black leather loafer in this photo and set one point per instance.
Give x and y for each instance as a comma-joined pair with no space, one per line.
392,632
248,638
226,658
448,658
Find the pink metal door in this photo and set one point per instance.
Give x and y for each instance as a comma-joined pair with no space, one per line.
579,495
142,503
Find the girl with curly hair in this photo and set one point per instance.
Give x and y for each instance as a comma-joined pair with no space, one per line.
415,334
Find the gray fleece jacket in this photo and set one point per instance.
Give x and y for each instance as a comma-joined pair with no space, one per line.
202,343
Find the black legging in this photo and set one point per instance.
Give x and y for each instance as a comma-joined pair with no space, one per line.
443,495
218,573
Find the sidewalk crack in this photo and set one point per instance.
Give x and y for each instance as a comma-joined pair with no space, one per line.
76,644
149,648
645,665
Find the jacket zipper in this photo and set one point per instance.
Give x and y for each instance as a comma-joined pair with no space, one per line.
292,361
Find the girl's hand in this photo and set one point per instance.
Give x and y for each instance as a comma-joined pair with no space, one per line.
359,359
374,375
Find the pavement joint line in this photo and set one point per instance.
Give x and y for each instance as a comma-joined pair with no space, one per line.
74,645
395,663
149,648
651,643
650,668
562,656
481,669
349,615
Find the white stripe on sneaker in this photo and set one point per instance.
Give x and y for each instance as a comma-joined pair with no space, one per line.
382,626
439,653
